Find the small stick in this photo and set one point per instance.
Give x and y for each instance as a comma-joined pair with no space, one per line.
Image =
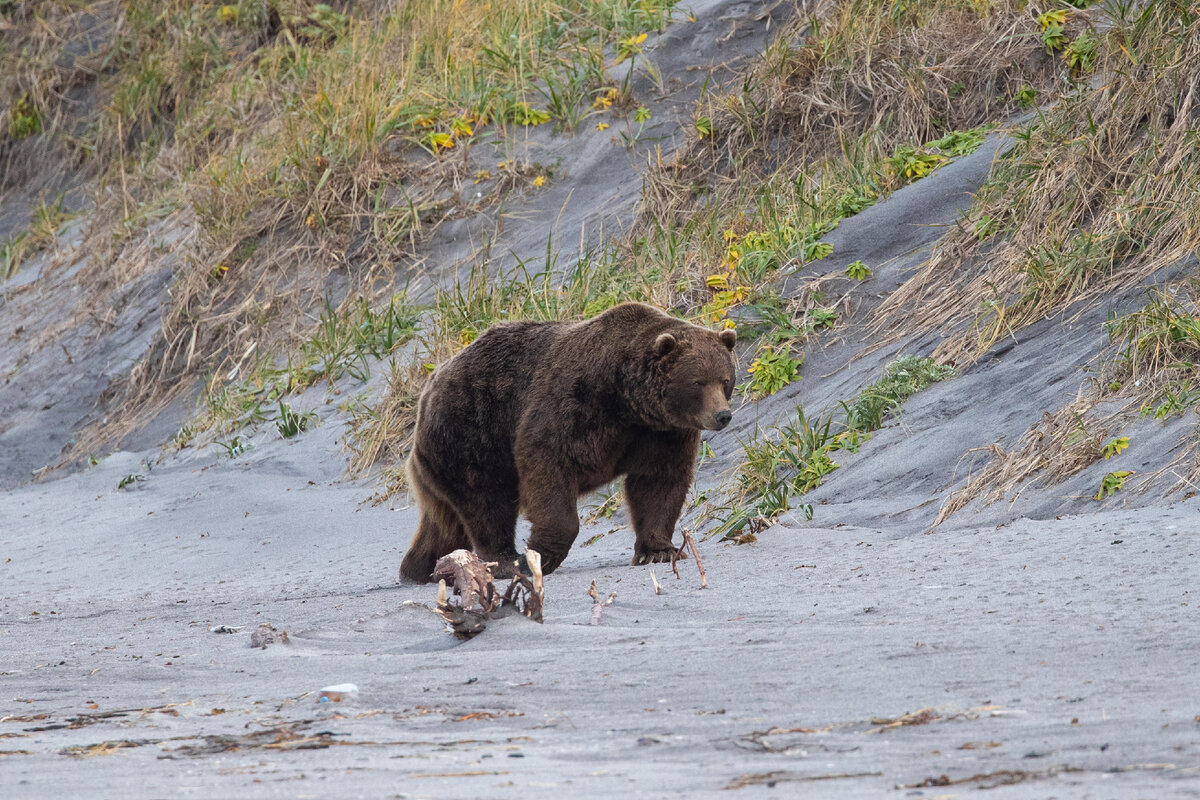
675,556
597,604
690,542
657,585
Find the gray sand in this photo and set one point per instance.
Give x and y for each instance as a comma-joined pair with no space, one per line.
1050,655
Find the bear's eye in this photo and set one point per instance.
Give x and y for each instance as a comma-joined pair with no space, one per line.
698,383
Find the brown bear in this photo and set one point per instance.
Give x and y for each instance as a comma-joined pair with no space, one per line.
534,414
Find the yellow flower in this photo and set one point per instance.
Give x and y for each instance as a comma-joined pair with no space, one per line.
602,102
311,221
729,325
539,181
601,126
482,176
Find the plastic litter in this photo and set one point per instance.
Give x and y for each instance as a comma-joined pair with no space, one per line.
337,693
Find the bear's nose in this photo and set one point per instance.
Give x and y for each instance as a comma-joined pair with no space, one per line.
723,418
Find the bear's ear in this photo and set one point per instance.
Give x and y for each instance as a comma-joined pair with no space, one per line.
664,344
728,337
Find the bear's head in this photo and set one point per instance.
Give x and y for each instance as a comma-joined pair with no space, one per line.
699,376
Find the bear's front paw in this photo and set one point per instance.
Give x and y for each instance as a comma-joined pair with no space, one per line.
654,555
508,565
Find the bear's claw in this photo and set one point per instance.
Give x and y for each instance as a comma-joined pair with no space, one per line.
655,556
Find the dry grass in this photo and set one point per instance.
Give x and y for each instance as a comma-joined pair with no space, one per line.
1094,197
1052,450
383,432
813,133
1149,369
289,152
859,69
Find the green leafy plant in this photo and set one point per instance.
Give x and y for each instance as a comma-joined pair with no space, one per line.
1157,351
290,423
523,114
630,46
130,480
778,465
815,251
631,137
1112,483
1116,447
46,219
819,318
24,119
771,370
12,255
858,270
1054,37
911,163
1082,52
986,226
609,505
961,143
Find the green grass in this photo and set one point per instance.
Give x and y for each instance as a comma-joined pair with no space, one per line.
1155,353
344,345
13,253
781,463
902,378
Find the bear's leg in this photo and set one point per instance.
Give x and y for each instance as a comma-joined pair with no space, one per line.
440,530
437,534
554,515
491,526
654,505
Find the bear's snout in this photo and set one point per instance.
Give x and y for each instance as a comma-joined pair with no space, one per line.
722,419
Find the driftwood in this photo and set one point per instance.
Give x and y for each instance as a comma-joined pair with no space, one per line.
475,600
691,543
598,604
681,553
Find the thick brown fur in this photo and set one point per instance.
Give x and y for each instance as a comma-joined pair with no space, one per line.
534,414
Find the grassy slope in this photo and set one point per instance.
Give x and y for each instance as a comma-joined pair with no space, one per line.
302,152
